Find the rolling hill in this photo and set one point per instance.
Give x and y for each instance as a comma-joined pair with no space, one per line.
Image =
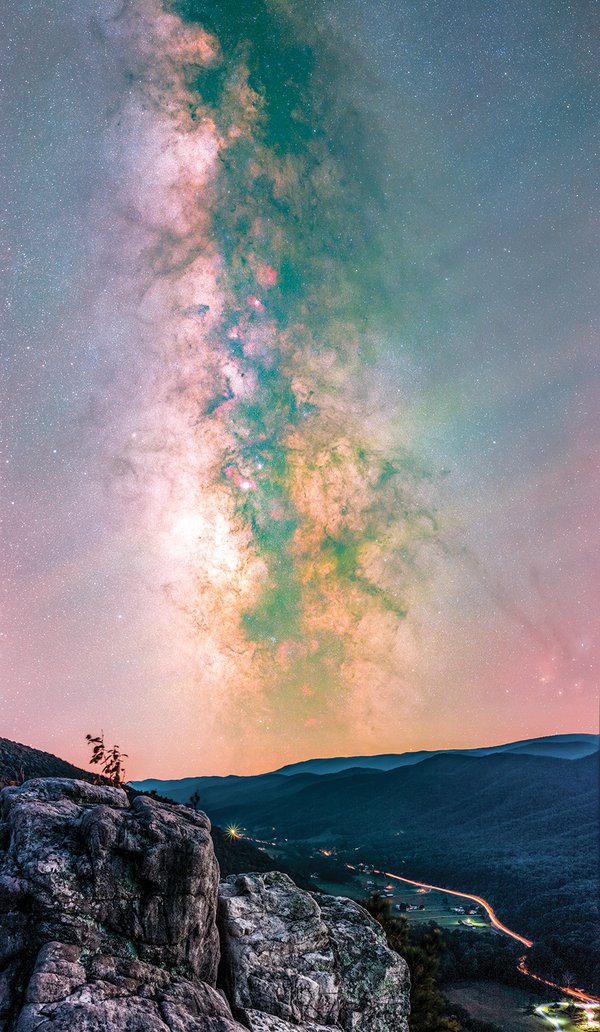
517,824
20,763
217,791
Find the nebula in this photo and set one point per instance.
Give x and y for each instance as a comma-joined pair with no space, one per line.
288,511
301,406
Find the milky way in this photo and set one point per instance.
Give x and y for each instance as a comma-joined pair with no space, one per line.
260,541
290,512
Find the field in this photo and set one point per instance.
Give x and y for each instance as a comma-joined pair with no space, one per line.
502,1005
506,1006
438,906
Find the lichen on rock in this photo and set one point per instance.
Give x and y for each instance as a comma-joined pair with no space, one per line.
305,958
84,868
108,924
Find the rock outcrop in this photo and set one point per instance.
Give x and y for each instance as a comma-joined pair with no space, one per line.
108,922
19,763
107,910
293,958
70,991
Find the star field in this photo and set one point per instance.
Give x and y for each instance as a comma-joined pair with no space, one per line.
300,391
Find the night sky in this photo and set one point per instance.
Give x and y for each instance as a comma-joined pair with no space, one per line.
300,392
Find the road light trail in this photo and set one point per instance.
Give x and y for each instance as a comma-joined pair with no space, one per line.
496,922
542,1012
558,1023
577,994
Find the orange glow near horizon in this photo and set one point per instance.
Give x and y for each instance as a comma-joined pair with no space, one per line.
277,486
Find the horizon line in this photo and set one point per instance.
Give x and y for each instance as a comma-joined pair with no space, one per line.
366,756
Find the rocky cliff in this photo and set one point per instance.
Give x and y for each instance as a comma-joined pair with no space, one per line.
19,763
318,962
108,921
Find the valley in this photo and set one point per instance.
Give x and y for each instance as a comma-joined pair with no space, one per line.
515,828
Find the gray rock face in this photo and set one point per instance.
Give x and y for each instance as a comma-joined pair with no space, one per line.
81,867
107,924
291,958
67,995
261,1022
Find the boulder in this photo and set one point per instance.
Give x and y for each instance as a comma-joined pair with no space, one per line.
82,867
68,992
261,1022
292,958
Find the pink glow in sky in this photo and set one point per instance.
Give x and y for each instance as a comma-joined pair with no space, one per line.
300,438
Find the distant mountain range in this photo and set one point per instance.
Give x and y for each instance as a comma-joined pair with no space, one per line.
570,747
233,786
516,824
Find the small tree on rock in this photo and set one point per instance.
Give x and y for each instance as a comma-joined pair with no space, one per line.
194,802
110,761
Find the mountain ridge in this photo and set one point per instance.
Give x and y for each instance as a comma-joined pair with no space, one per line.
566,746
517,826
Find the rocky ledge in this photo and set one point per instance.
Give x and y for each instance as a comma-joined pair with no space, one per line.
108,921
320,962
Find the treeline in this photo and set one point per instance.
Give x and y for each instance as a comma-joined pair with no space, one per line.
422,952
551,900
436,957
470,956
470,1024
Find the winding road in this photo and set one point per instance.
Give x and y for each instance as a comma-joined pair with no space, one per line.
577,994
496,922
